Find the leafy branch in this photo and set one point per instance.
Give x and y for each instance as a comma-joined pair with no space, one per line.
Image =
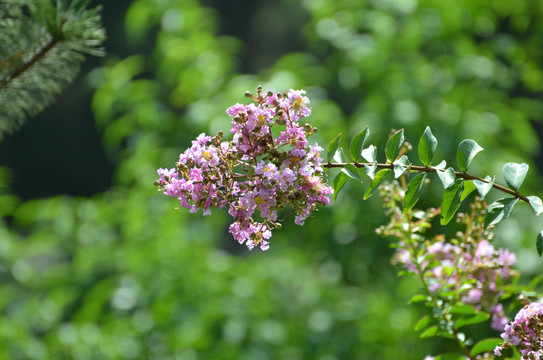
457,185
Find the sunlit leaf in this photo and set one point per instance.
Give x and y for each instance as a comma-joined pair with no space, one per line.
412,193
469,186
485,345
451,201
370,153
339,156
536,204
427,147
447,177
466,152
351,171
394,145
357,144
463,310
471,319
499,210
338,183
371,169
515,174
332,147
430,332
379,177
422,323
400,166
484,187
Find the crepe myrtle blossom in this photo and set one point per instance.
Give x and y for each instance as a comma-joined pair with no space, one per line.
475,271
525,332
256,173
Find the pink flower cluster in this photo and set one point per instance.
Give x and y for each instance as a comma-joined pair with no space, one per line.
525,332
256,174
448,267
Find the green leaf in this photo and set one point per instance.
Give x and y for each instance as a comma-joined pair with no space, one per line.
412,193
371,169
536,203
441,165
370,154
539,243
394,145
357,144
339,156
469,186
418,298
463,310
427,147
515,174
430,332
466,152
379,177
450,356
471,319
499,210
351,171
338,183
422,323
484,187
332,147
451,201
447,177
485,345
400,166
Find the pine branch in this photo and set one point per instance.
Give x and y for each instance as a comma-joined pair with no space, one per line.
42,43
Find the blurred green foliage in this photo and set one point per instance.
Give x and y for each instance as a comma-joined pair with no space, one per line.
122,275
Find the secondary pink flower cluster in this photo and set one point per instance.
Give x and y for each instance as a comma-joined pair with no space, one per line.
256,174
525,332
448,267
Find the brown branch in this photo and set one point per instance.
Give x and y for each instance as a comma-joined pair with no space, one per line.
27,65
429,170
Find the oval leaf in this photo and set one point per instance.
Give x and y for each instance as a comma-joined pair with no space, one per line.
471,319
469,186
394,145
412,193
351,171
379,177
339,156
484,187
463,310
371,169
451,201
539,243
422,323
370,154
400,166
515,174
447,177
485,345
338,183
427,147
357,144
499,210
536,204
332,147
466,152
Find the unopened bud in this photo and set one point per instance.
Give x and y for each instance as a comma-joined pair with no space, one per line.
269,93
259,89
157,183
220,134
279,112
248,94
237,119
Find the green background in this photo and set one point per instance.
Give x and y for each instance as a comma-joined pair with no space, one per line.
96,264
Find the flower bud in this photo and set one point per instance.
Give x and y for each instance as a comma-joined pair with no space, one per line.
269,93
248,94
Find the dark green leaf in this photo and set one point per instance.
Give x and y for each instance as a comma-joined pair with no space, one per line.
471,319
357,143
352,172
469,186
499,210
339,181
379,177
539,243
447,177
412,193
394,145
466,152
515,174
536,204
339,156
422,323
427,147
370,154
484,187
451,201
332,147
400,166
371,169
485,345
